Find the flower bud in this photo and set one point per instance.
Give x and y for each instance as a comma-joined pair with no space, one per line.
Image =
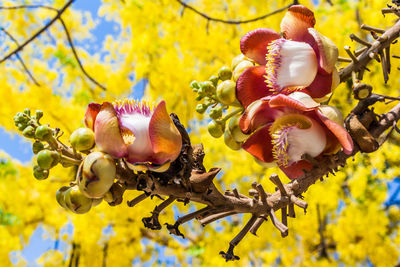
40,173
21,118
76,201
235,131
27,111
97,175
60,196
201,108
216,128
215,113
37,147
225,73
214,79
29,132
21,126
195,85
236,60
207,87
240,68
82,139
230,142
47,159
226,92
38,114
43,132
96,201
332,113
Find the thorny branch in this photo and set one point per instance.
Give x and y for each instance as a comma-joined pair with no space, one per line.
65,28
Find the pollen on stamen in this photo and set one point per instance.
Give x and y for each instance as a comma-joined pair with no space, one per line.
133,106
273,58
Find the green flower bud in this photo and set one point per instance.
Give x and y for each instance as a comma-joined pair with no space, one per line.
235,131
97,174
27,111
43,132
216,128
38,114
82,139
230,142
214,79
242,66
201,108
207,87
40,173
226,92
60,196
76,201
21,126
195,85
29,132
47,159
96,201
199,97
225,73
236,60
37,146
20,118
215,113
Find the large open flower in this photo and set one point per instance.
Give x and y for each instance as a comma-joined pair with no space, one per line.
284,128
127,129
304,60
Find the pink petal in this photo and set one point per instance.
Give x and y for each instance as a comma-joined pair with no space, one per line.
295,170
339,131
251,86
90,115
107,132
259,144
164,136
256,115
254,44
321,86
296,22
287,101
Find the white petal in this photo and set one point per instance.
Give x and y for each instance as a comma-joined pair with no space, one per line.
138,124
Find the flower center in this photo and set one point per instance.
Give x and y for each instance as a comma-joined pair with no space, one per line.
127,136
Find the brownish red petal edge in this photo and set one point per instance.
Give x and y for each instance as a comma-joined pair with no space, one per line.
259,144
254,44
321,86
296,169
295,23
91,113
165,137
285,101
251,86
339,132
257,115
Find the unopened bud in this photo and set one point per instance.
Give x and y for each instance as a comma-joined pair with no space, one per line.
37,147
76,201
82,139
47,159
208,87
98,173
43,132
96,201
22,126
332,113
216,128
201,108
38,114
230,142
60,196
225,73
195,85
240,68
215,113
214,79
235,130
226,92
20,118
236,60
29,132
27,111
40,173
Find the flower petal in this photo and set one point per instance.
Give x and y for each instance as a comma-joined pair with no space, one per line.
257,114
90,115
339,131
296,22
327,51
107,132
251,86
297,100
321,86
165,137
295,170
254,44
259,144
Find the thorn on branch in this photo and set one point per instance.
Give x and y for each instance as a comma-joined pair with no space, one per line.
260,220
373,29
278,224
275,179
351,55
354,37
298,202
137,200
152,221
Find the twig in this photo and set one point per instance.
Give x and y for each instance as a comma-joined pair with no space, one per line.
209,18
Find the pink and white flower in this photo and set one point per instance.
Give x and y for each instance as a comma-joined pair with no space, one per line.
147,138
304,60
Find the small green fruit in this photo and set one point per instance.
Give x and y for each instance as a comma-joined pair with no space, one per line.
216,128
226,92
47,159
43,132
40,173
60,196
225,73
76,201
29,132
37,146
82,139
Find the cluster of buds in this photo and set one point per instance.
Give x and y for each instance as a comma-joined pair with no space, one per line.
218,98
